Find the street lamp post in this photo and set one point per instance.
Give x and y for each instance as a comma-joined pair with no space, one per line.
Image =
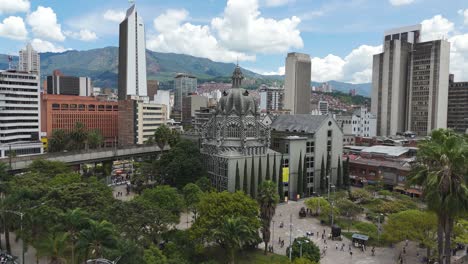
273,238
300,251
378,231
332,205
290,237
21,214
328,180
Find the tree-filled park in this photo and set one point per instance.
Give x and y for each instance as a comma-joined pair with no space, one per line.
69,217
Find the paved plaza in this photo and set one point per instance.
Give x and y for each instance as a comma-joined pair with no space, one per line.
309,224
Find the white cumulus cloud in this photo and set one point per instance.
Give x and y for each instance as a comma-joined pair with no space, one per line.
280,71
44,24
401,2
13,27
196,40
277,2
114,15
83,35
356,67
46,46
436,27
14,6
241,28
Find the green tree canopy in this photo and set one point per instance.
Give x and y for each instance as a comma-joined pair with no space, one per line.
414,225
164,197
309,249
214,207
182,164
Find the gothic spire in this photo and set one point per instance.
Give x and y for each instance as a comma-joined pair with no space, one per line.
237,77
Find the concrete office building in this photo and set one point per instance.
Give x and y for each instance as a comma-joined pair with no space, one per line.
19,114
409,83
184,84
132,56
457,116
323,107
164,98
428,87
138,119
64,111
29,60
271,99
313,138
190,104
297,83
359,123
153,87
57,83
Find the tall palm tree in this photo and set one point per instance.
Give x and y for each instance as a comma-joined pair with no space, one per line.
58,141
74,221
78,136
268,199
441,169
98,236
233,234
54,246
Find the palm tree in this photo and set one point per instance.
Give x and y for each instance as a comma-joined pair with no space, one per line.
268,199
441,169
95,139
233,234
74,221
98,236
54,246
58,141
78,136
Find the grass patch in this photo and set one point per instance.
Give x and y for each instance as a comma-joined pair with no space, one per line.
218,255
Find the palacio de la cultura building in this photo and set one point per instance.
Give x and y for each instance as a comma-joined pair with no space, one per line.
234,138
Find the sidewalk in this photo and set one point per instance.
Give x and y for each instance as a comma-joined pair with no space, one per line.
16,246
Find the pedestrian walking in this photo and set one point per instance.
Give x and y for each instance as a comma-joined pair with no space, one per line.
349,247
317,234
342,247
373,251
351,254
404,250
406,242
336,246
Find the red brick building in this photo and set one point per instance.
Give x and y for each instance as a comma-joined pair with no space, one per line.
64,111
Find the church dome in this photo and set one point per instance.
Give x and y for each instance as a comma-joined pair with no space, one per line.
237,101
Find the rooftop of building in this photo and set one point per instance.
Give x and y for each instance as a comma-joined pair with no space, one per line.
180,75
391,151
298,123
404,29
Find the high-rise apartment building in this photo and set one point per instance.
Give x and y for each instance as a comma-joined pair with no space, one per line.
57,83
457,115
271,99
297,83
19,114
132,56
184,84
29,60
164,98
409,83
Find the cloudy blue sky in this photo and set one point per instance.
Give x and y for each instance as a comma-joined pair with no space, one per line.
340,35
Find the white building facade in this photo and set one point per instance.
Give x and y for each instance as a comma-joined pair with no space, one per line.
132,56
19,114
29,60
164,98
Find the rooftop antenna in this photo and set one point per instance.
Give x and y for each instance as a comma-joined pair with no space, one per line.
131,1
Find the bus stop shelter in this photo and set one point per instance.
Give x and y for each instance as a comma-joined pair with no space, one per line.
359,240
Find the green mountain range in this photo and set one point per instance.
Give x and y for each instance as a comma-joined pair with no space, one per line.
101,65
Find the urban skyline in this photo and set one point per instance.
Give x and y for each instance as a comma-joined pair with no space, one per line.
319,32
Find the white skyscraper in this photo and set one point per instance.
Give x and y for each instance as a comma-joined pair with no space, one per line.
132,56
297,83
29,60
